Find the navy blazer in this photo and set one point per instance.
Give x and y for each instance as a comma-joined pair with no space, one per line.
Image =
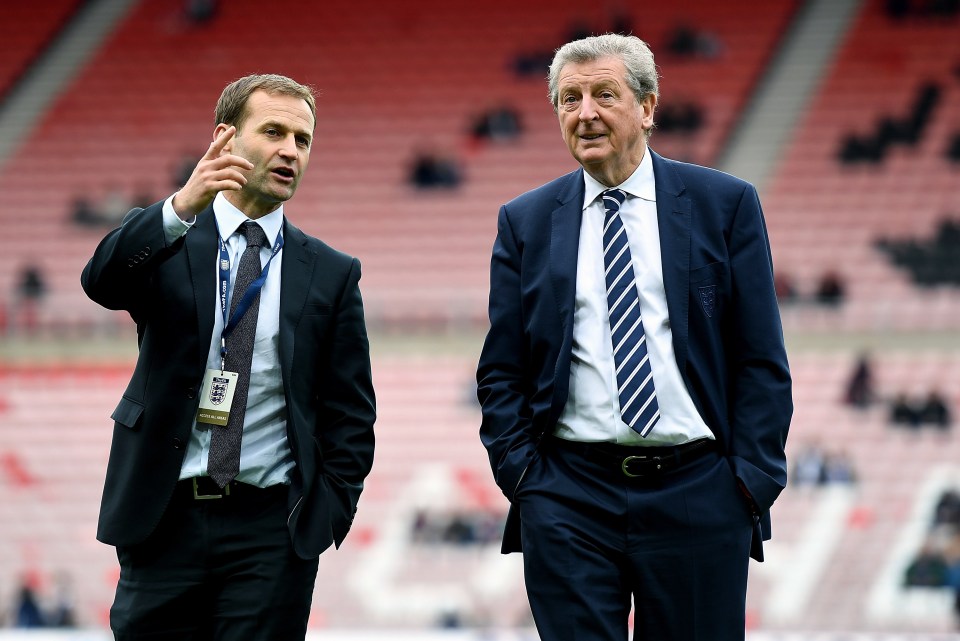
727,336
324,358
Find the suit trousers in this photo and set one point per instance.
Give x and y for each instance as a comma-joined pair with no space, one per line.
676,544
216,569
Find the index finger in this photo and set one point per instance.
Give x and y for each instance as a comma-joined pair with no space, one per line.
220,142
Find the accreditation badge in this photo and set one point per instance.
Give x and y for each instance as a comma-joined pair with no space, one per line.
216,396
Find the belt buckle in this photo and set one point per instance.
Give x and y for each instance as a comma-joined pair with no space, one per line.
207,497
644,459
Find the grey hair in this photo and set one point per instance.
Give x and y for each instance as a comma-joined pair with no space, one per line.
642,77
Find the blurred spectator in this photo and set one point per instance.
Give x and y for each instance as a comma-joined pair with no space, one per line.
898,9
200,11
889,130
470,527
838,468
931,261
859,392
32,285
535,63
578,30
815,467
947,511
459,531
63,614
687,41
808,468
183,169
431,170
680,118
785,288
903,9
929,569
903,412
935,412
831,289
450,619
84,214
31,289
622,23
953,149
26,609
498,124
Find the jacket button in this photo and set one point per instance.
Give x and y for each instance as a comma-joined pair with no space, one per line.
191,392
177,443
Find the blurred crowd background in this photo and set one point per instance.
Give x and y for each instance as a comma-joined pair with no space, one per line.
844,113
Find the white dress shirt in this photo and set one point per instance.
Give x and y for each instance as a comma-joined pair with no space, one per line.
592,412
265,456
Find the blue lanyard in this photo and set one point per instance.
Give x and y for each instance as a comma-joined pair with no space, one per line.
248,296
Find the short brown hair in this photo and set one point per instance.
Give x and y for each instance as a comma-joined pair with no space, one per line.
232,105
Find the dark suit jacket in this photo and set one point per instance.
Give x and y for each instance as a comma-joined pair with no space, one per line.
718,277
324,356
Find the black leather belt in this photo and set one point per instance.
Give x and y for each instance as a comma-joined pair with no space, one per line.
639,461
204,488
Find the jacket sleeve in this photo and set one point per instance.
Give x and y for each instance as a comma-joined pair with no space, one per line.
503,379
347,406
119,274
761,401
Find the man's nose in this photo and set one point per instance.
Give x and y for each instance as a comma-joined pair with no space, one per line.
289,147
588,110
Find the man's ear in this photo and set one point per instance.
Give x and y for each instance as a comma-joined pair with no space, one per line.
648,105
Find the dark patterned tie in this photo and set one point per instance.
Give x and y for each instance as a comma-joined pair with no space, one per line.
223,463
638,397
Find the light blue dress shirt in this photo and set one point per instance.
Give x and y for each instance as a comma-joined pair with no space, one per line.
265,456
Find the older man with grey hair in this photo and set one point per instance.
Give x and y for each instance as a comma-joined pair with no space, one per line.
634,383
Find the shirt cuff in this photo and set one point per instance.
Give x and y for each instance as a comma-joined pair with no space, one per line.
173,226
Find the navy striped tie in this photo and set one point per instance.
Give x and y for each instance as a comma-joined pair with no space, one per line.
638,397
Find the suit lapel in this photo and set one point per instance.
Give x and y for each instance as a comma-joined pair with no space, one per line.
674,218
296,272
564,247
201,249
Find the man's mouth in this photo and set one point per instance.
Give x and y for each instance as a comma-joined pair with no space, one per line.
285,173
591,136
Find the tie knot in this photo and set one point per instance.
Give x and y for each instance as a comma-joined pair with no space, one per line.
612,199
254,234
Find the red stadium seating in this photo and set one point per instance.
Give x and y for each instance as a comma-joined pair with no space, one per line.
25,29
393,78
822,214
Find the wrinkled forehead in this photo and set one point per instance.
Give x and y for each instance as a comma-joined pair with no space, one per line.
604,70
264,107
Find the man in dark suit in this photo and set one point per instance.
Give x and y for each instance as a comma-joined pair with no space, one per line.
244,436
634,383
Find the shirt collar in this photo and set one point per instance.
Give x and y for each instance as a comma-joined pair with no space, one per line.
640,183
229,218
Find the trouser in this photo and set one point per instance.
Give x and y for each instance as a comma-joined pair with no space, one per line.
215,569
675,542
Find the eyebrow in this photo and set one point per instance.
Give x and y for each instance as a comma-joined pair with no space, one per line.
278,125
